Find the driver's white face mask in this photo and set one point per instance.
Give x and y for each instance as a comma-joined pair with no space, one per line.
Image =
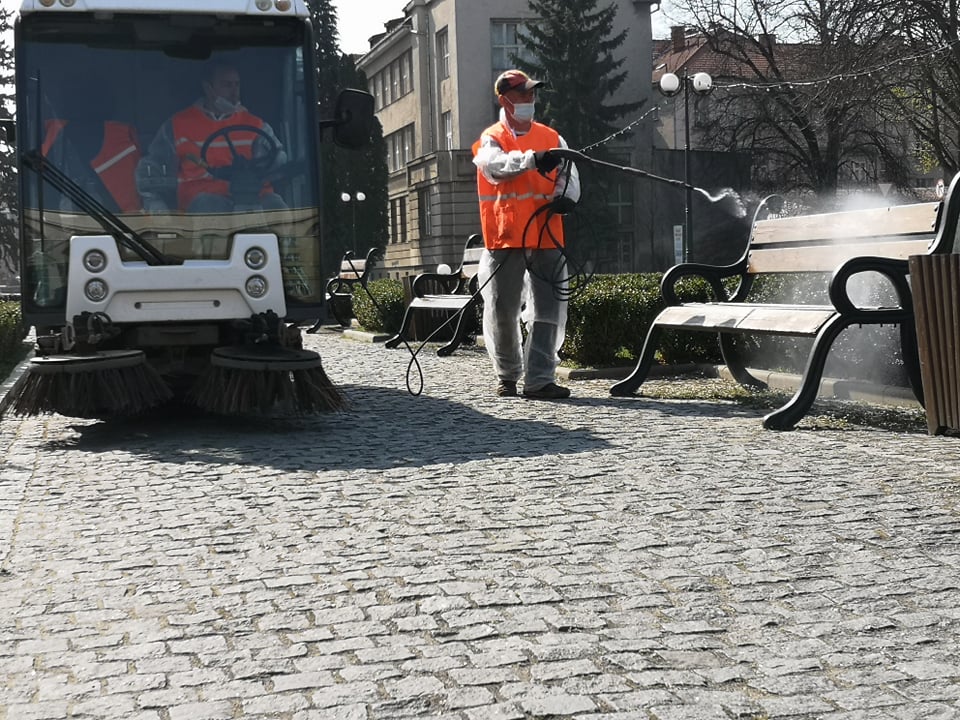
224,106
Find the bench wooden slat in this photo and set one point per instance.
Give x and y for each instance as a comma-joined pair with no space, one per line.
825,258
803,320
440,302
915,219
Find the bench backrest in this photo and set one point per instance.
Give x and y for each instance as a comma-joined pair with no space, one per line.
472,250
471,262
352,269
820,243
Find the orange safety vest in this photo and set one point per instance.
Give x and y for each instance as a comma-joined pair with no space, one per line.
506,208
191,127
115,164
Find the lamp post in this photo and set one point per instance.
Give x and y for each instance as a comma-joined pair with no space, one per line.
357,197
670,85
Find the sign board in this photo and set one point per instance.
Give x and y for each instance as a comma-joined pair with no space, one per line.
678,243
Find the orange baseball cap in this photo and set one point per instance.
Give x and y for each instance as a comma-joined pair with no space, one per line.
514,79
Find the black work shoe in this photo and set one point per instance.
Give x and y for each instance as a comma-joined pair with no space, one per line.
507,388
550,391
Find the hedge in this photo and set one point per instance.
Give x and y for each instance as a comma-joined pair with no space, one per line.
11,337
388,294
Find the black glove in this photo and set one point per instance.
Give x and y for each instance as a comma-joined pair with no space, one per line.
546,161
562,205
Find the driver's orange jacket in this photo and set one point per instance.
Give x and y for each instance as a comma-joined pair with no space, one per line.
191,128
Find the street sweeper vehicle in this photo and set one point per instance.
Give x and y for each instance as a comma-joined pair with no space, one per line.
170,207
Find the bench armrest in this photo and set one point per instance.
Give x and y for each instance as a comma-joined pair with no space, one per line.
713,274
896,272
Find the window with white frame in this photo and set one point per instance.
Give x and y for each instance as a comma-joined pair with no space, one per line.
447,121
443,54
400,148
394,81
425,212
506,44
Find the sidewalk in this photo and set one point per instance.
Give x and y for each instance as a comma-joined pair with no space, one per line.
461,556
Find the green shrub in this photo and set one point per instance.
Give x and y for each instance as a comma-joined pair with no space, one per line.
388,294
11,337
609,318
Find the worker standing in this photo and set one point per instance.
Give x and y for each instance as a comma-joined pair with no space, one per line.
524,190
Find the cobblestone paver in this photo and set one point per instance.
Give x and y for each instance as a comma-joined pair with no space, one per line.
460,556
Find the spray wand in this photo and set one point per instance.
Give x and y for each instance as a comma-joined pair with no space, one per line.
568,154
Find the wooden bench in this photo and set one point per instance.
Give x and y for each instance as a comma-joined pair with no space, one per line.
844,244
339,290
458,297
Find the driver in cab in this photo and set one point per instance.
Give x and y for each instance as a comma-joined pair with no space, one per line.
221,153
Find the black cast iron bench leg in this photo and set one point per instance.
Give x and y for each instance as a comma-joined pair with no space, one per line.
630,384
790,414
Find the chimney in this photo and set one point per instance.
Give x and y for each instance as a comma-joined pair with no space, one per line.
767,40
678,38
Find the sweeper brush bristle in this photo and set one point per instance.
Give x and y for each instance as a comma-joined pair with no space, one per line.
248,381
107,384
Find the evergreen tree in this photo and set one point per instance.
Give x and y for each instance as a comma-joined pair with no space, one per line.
349,171
572,50
9,210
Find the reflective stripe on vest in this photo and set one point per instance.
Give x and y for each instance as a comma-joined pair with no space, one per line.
191,127
506,207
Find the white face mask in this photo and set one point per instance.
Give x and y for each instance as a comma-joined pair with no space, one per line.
224,106
523,112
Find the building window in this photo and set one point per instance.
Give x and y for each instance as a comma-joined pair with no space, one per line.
620,200
447,120
425,211
394,81
398,220
505,39
443,54
400,148
406,73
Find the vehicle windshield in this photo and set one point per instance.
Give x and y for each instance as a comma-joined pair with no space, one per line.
190,129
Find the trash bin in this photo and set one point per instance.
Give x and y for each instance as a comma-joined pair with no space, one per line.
935,280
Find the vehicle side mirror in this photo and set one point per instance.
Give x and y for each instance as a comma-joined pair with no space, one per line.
353,121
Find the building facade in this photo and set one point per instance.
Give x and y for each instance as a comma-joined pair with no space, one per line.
432,73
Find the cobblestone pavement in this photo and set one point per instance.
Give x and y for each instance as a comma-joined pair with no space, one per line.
466,557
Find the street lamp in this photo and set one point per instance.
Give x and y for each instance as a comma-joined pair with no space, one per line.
670,85
357,197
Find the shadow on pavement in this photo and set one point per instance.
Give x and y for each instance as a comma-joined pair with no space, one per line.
383,428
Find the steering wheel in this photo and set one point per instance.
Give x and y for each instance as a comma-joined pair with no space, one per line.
259,164
245,175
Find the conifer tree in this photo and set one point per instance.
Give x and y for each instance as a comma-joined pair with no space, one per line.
9,210
572,48
345,170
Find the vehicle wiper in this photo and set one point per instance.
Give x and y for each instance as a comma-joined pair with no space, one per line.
121,232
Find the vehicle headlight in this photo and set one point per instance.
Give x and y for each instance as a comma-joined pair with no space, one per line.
263,5
95,290
255,258
94,261
256,286
283,5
